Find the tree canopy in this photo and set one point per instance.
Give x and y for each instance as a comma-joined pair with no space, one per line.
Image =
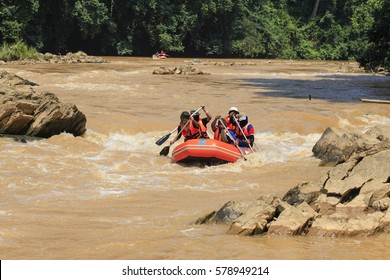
307,29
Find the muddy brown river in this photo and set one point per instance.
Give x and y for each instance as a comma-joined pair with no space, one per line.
109,195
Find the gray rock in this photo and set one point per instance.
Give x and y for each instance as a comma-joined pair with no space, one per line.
352,198
179,70
78,57
24,112
293,220
333,148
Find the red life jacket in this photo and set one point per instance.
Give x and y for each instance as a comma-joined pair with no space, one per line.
239,134
217,135
229,125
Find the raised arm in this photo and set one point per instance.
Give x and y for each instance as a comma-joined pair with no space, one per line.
209,117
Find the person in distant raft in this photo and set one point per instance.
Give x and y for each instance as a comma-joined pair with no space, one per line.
245,126
199,130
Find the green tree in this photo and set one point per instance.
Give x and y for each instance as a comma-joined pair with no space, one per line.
266,30
322,38
15,19
90,17
56,24
377,53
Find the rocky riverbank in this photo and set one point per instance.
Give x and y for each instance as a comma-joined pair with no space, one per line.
78,57
353,198
23,111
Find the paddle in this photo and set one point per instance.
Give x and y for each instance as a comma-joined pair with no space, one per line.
164,152
165,137
246,139
231,138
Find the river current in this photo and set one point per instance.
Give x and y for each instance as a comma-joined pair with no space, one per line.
109,195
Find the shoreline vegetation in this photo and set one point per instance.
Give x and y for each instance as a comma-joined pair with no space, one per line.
20,53
28,55
282,29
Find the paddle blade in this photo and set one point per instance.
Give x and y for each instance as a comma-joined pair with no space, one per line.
165,151
163,139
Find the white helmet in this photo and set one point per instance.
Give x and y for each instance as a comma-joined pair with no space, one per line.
235,109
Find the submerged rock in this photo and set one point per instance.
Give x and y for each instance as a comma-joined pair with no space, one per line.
180,70
353,198
24,112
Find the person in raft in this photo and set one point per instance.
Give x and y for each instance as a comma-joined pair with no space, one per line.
244,126
201,131
221,132
183,127
190,128
230,118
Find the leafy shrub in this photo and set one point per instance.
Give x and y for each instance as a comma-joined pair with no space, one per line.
17,51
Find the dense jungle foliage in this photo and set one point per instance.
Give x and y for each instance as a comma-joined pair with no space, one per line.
308,29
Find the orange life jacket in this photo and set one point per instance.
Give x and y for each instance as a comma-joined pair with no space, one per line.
200,132
203,130
194,133
186,132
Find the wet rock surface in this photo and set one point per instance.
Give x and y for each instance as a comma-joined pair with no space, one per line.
352,199
23,111
179,70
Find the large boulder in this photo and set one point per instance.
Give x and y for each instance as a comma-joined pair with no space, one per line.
352,198
334,148
24,112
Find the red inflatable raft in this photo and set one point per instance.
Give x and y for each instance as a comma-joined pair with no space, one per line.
206,151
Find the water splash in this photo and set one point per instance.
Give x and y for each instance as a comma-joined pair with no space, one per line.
372,120
282,147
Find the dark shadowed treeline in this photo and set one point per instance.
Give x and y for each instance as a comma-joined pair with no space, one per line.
311,29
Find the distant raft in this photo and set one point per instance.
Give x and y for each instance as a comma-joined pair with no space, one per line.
159,56
208,152
375,101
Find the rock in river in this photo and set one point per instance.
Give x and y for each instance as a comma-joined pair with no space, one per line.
25,112
352,198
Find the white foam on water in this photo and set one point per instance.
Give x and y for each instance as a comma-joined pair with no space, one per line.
110,192
270,148
191,232
142,167
275,147
137,143
372,119
5,213
98,87
122,163
345,123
